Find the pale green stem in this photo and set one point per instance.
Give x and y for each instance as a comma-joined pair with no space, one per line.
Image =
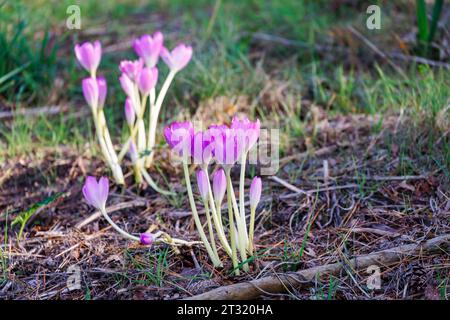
117,228
232,235
252,229
219,214
115,168
141,143
242,246
155,113
106,135
163,92
127,144
141,126
214,258
105,141
233,205
148,159
217,221
241,195
210,228
152,183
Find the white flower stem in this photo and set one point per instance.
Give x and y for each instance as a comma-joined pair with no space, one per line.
127,144
214,258
210,228
219,215
105,140
241,196
117,228
148,159
251,230
216,219
242,245
232,234
153,184
155,114
100,126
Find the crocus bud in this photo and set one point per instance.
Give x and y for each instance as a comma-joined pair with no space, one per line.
149,48
202,182
178,58
96,193
127,84
102,90
132,151
147,80
130,115
146,239
132,68
89,55
219,186
90,92
255,192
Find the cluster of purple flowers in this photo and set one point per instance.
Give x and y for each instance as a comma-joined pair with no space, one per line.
138,80
226,146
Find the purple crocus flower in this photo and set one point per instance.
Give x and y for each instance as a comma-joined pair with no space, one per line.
246,131
132,68
227,147
96,193
202,147
178,58
179,137
89,55
149,48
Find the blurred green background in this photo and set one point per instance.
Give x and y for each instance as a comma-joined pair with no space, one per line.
280,56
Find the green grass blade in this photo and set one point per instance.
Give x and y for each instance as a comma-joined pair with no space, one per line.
24,216
422,21
437,10
12,73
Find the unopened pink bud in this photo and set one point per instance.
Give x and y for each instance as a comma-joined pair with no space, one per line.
147,80
202,182
102,90
219,185
127,84
130,114
90,91
255,192
146,239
